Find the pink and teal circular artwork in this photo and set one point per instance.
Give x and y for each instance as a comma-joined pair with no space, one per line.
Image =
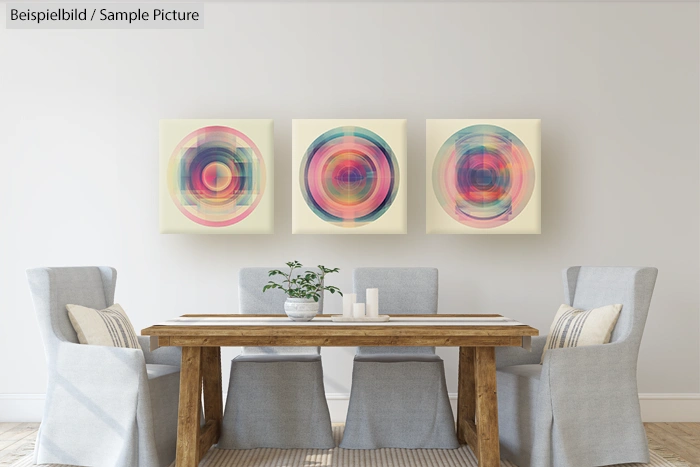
349,176
483,176
216,176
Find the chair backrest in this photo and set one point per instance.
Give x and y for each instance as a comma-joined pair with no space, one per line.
54,288
401,290
589,287
253,301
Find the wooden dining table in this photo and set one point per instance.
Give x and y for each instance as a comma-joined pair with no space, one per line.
202,336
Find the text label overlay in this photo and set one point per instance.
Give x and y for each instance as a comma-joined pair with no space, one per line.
105,16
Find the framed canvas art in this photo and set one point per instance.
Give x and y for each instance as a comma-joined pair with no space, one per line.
483,176
349,176
216,176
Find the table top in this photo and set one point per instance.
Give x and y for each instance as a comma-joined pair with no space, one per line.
281,325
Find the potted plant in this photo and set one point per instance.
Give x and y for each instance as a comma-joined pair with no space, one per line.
303,290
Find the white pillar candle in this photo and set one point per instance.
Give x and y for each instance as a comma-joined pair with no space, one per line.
358,310
349,300
372,303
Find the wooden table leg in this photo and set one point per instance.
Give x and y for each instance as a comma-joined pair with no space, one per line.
466,398
188,431
213,403
489,452
477,404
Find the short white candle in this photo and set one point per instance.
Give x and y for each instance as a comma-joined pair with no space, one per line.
358,310
372,303
349,300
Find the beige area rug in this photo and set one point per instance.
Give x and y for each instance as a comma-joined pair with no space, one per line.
462,457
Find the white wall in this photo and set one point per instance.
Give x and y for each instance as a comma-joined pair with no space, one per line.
615,84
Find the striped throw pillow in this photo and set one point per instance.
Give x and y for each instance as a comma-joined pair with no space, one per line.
573,327
110,327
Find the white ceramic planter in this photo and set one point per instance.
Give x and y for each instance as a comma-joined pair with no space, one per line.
300,309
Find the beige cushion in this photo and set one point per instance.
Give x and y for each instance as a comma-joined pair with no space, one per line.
110,327
573,327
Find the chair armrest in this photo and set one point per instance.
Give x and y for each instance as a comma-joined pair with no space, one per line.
592,380
162,355
80,359
106,380
611,364
509,356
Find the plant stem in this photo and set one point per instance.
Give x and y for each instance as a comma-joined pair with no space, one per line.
289,280
319,287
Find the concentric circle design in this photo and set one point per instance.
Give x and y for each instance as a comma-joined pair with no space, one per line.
349,176
216,176
483,176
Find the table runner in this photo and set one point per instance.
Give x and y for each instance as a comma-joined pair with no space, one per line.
325,320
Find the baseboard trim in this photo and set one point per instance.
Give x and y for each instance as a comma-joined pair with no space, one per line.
670,407
21,407
656,407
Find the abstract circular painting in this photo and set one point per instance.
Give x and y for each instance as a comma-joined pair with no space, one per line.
483,176
216,176
349,176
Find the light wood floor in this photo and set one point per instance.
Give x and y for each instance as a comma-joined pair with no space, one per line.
681,439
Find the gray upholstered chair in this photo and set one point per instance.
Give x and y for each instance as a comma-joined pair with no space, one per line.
105,406
399,396
580,407
276,397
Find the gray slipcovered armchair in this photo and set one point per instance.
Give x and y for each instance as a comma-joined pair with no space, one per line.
105,406
580,408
